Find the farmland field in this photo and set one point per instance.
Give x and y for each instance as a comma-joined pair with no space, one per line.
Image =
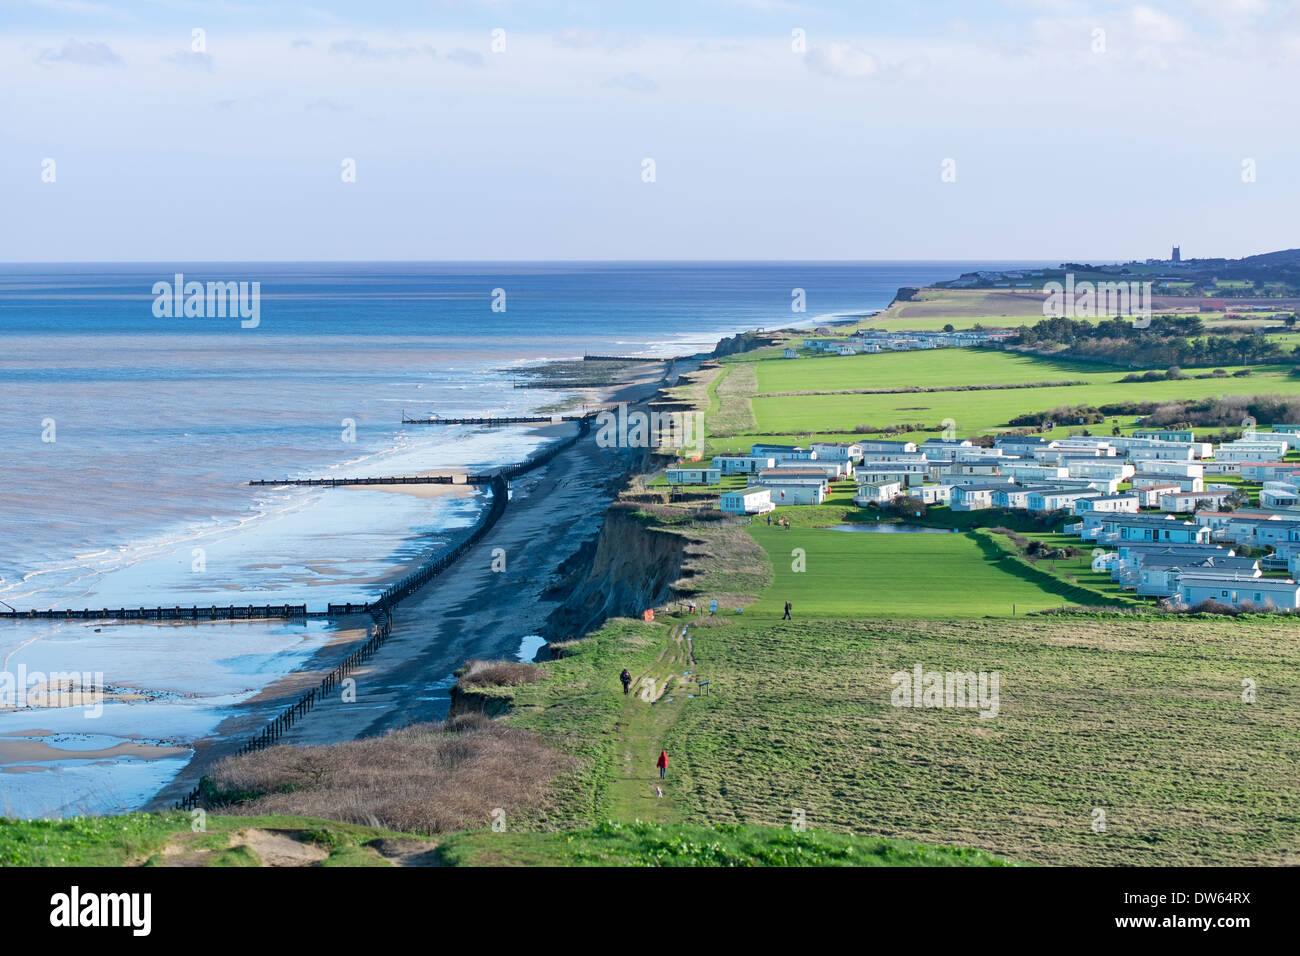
922,368
975,411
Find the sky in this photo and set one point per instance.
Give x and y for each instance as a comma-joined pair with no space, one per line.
1081,130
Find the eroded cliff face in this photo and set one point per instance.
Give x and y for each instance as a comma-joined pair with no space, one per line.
626,569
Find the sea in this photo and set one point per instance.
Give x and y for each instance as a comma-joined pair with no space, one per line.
129,432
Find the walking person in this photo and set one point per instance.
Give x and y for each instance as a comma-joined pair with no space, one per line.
662,764
787,611
626,678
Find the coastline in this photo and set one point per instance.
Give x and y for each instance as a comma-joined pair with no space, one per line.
555,511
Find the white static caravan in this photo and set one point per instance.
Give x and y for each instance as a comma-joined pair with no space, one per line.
1099,468
791,476
1107,504
877,493
945,448
1014,497
1184,484
1237,589
832,470
1148,496
1057,499
932,494
908,474
1280,494
782,452
1033,471
692,476
1269,470
753,500
899,447
1174,469
1158,574
1247,450
836,450
1188,502
1164,451
743,464
787,493
1287,433
973,497
1101,486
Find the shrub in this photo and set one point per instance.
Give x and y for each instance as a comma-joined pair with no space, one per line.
478,673
425,778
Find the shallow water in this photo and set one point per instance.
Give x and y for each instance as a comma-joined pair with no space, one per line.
128,441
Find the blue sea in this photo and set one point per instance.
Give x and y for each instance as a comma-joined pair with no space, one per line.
128,440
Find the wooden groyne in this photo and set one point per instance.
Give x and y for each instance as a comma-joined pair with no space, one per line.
498,483
381,610
496,421
632,358
391,480
283,722
231,612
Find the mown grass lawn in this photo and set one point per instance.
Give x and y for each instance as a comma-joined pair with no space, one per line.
866,574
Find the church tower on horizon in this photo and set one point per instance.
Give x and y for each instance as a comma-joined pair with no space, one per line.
1177,255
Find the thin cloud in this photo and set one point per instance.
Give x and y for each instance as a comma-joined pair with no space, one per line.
465,57
363,50
191,60
604,40
843,60
328,106
88,53
632,81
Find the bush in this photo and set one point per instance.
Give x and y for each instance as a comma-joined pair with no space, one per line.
425,778
478,673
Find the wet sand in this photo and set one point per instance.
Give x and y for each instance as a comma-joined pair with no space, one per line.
469,611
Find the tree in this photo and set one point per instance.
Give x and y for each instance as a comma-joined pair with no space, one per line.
950,328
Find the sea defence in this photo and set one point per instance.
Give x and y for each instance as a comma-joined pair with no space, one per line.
498,483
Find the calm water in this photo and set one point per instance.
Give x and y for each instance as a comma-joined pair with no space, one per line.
128,440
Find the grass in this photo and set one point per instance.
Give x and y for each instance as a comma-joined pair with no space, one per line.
1139,716
140,838
978,412
748,410
927,368
864,575
641,843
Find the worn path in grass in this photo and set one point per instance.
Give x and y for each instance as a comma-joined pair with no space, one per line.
658,694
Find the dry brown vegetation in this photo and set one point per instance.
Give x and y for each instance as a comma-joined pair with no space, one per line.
724,562
477,673
735,414
426,778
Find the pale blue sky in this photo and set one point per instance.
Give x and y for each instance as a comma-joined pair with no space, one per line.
1078,129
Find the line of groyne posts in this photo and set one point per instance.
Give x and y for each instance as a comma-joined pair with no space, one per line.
381,609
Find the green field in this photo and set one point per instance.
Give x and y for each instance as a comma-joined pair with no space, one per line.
975,411
928,367
1139,717
864,575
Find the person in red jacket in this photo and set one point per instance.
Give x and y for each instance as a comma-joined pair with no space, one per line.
662,764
